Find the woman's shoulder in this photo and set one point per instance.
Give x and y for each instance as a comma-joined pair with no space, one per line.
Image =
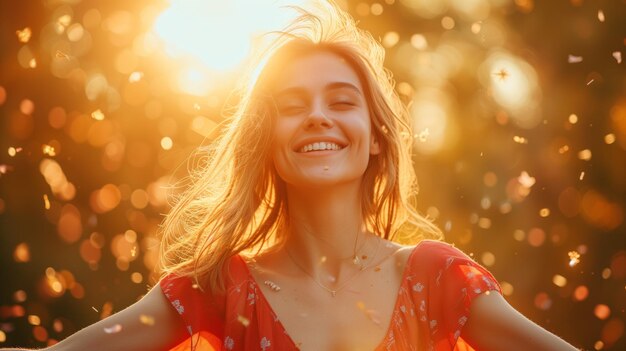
430,254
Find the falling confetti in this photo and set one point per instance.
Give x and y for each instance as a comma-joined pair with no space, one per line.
113,329
243,320
24,35
526,180
423,135
520,140
14,150
5,168
46,202
147,320
61,55
600,15
48,150
98,115
574,59
574,258
581,176
135,77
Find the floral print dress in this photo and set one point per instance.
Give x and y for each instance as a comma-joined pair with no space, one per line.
438,285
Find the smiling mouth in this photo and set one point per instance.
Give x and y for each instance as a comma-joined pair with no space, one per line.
320,146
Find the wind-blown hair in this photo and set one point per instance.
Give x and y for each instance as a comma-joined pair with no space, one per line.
236,202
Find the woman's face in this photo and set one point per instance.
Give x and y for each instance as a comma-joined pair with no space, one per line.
322,133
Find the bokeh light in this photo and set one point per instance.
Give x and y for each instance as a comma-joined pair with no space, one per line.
519,136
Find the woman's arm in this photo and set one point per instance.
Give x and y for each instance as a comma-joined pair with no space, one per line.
149,324
493,324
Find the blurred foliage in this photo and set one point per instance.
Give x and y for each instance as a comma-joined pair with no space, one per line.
520,120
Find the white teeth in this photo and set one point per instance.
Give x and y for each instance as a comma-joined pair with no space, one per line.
323,145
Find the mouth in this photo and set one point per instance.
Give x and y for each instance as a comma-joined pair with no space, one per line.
320,146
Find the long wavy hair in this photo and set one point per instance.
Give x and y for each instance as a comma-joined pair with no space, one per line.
234,200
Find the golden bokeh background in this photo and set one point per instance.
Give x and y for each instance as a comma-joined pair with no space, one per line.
519,110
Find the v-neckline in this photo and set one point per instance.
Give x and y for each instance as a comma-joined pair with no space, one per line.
393,311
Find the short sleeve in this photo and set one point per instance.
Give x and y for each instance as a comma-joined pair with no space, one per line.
458,280
198,309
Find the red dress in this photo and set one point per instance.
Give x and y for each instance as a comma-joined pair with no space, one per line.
439,282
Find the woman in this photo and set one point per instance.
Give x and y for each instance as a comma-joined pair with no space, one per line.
290,236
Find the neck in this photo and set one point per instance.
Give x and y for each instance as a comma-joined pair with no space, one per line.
324,226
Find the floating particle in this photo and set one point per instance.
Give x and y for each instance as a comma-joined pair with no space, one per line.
602,311
61,55
113,329
64,20
520,140
572,118
580,293
32,63
606,273
590,81
423,135
502,74
526,180
543,301
166,143
559,280
544,212
24,35
94,308
243,320
98,115
581,176
14,150
574,59
618,56
5,168
147,320
563,149
598,345
46,201
419,42
135,77
34,319
584,155
21,253
600,15
196,106
574,258
476,27
507,288
609,138
48,150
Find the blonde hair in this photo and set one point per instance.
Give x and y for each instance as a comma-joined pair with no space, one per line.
236,202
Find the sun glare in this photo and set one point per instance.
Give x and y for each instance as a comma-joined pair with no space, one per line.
215,32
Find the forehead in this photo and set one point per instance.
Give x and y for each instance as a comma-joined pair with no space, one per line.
315,71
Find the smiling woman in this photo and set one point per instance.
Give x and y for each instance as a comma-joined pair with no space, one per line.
300,231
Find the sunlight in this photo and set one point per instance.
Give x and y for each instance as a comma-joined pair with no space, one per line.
218,33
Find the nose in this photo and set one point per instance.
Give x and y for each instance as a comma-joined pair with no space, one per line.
317,118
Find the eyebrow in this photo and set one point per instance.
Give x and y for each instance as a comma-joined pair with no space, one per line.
330,86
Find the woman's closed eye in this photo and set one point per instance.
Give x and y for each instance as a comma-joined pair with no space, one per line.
292,109
342,104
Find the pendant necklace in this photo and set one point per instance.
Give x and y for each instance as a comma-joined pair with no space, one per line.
333,292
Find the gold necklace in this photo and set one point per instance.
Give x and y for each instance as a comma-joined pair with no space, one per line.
333,292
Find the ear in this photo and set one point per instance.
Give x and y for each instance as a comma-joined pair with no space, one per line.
374,145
